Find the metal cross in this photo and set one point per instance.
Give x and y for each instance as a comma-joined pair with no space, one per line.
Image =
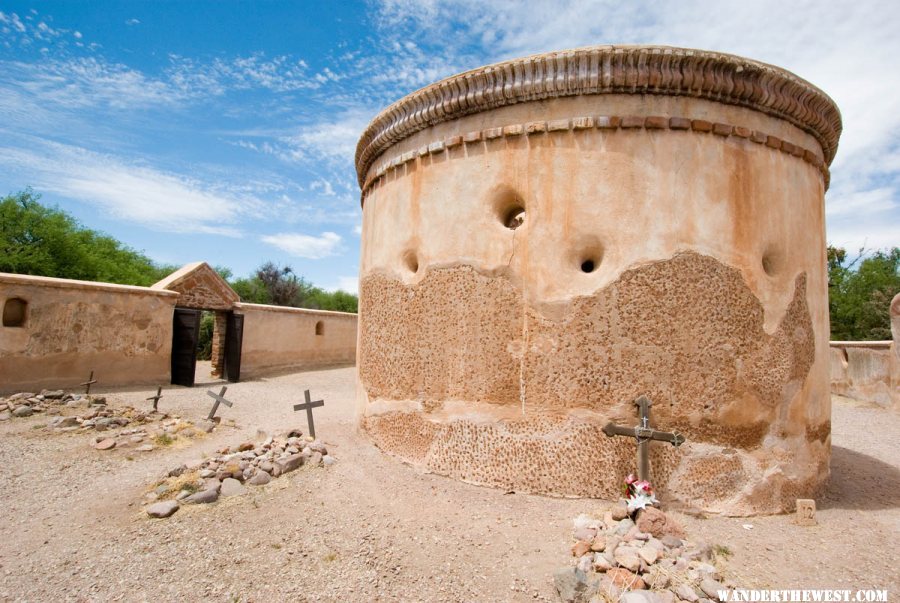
87,384
308,406
156,397
219,398
643,433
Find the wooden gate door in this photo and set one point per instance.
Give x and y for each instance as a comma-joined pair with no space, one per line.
185,332
234,337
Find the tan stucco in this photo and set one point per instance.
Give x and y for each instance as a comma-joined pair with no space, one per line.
123,334
278,338
867,370
489,354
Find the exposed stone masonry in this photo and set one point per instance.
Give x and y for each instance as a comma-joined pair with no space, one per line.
605,350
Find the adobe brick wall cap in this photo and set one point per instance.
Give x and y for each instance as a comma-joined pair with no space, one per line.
667,70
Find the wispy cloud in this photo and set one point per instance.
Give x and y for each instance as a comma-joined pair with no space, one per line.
79,83
333,138
847,49
306,246
155,199
278,74
33,32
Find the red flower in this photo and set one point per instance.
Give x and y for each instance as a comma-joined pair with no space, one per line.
643,485
630,479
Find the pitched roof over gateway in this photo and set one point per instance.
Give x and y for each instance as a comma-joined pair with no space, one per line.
200,287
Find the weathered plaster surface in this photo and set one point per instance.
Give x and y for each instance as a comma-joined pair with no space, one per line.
122,333
279,338
666,248
866,370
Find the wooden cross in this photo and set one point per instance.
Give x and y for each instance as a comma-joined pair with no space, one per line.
87,384
156,397
643,433
308,406
219,398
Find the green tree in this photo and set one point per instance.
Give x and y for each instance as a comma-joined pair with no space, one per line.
860,292
338,301
46,241
251,290
204,341
280,286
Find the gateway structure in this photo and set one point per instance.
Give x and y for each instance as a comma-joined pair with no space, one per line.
548,238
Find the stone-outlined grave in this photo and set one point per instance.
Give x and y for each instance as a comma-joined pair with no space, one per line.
50,402
615,555
117,427
233,469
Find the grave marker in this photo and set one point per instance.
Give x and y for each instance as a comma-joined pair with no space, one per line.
219,399
806,512
308,406
156,398
643,433
87,384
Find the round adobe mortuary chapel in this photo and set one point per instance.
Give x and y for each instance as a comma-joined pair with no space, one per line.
547,239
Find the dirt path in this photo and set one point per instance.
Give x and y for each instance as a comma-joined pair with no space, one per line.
370,528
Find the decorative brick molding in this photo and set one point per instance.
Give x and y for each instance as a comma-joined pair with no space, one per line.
605,123
661,70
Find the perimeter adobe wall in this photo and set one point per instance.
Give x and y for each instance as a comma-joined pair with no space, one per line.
869,370
70,328
671,246
279,338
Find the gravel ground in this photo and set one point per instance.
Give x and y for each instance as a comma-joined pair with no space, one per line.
370,528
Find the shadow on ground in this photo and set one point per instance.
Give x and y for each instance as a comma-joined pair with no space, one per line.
859,481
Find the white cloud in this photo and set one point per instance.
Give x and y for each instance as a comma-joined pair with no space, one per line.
13,21
306,246
333,139
130,22
155,199
279,74
847,49
324,186
89,82
349,284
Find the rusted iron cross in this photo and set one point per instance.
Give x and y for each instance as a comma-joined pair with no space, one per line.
156,398
643,433
308,406
219,399
87,384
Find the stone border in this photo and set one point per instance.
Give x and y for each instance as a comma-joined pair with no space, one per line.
661,70
604,122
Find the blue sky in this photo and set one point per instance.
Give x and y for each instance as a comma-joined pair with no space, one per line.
225,131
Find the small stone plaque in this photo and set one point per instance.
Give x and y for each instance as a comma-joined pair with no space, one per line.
806,512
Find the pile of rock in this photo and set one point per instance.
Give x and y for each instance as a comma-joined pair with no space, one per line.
643,561
232,469
165,433
100,417
25,404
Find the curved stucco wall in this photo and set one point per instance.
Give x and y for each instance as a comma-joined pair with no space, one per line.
671,245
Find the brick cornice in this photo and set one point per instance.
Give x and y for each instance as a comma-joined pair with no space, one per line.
661,70
606,124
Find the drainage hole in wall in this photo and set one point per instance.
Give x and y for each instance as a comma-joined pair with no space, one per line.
588,265
514,217
411,261
770,263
